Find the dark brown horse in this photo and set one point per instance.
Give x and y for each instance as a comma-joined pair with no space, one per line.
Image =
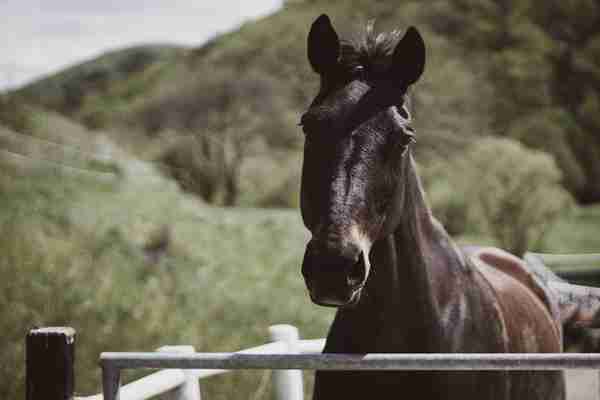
399,282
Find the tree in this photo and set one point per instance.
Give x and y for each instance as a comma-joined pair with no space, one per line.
540,56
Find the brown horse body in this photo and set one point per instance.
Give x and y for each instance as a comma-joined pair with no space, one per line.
464,302
377,253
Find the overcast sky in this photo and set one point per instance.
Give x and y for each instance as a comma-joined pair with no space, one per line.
38,37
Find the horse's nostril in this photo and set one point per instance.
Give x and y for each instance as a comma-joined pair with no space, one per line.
357,273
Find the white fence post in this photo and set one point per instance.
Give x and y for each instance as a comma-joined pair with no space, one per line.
288,384
190,389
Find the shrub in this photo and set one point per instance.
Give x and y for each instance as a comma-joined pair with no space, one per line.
548,131
197,163
448,205
15,114
514,192
284,195
498,188
96,285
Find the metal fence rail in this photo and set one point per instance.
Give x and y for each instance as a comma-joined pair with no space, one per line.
113,363
577,268
569,260
409,361
287,384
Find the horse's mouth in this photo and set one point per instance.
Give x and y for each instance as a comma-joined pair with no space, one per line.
351,300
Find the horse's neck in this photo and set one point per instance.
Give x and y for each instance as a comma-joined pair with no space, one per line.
403,291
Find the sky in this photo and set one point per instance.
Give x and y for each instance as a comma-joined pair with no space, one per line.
39,37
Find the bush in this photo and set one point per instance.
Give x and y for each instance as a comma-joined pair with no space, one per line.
284,195
498,188
515,193
448,205
15,114
197,163
548,131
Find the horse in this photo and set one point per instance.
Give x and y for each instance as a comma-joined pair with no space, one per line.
377,254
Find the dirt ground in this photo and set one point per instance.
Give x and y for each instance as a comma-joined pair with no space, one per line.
583,384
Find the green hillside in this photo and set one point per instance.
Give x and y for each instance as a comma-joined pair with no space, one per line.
494,67
97,90
133,264
221,119
242,94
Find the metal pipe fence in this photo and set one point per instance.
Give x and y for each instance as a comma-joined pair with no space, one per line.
354,362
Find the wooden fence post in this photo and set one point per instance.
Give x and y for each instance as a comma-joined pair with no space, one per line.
288,384
50,358
190,389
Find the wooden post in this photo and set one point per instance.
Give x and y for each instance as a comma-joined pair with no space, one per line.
50,359
190,389
288,384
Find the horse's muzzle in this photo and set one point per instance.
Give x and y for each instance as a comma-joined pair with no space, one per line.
334,276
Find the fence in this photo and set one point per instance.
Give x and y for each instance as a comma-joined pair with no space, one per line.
50,359
577,268
287,355
50,368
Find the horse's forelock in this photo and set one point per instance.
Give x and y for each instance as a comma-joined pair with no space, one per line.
369,49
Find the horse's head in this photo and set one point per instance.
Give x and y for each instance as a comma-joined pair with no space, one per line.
357,135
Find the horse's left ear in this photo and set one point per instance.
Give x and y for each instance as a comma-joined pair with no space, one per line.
408,61
323,47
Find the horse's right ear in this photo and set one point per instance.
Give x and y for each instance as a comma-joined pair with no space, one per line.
323,45
408,60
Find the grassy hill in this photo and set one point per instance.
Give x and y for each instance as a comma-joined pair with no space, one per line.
98,90
240,97
133,264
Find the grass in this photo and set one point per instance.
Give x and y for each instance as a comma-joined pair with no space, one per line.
577,233
73,254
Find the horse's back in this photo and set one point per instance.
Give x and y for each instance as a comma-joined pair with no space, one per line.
530,318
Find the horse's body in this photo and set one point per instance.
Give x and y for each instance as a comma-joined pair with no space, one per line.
363,203
465,303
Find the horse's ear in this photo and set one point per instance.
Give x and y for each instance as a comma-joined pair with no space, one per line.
323,45
408,62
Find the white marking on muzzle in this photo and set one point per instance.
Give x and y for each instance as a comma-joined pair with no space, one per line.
364,243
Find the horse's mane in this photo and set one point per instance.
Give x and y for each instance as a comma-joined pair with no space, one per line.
369,49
